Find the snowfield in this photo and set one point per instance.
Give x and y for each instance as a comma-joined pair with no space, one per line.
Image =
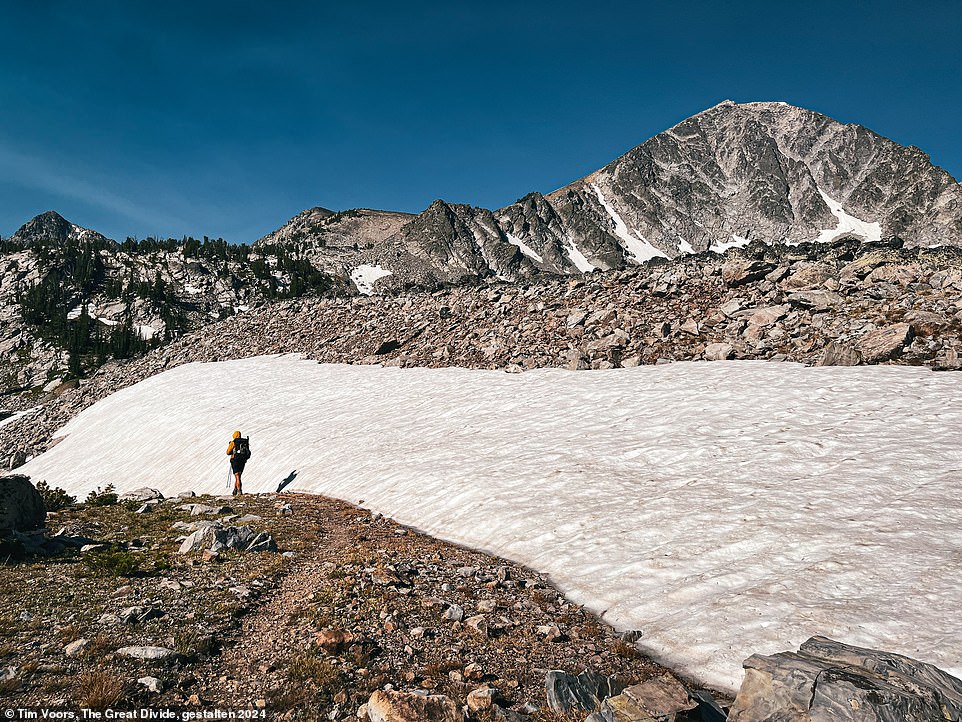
722,508
365,276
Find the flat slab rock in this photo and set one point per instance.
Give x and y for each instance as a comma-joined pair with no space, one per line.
144,493
156,654
407,707
654,700
567,693
886,343
829,681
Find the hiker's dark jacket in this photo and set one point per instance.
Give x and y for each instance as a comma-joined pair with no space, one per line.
236,465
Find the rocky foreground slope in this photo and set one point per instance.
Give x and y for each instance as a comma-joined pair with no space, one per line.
343,604
843,303
290,606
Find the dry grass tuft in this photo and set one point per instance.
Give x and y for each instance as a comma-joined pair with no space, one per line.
305,667
625,650
99,689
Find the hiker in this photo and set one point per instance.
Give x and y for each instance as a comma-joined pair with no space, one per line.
239,451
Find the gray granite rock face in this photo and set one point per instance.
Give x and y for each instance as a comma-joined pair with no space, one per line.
829,681
731,174
567,693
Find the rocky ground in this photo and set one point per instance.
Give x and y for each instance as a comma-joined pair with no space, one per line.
348,604
844,303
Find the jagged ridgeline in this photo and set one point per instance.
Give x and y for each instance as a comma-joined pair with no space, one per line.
73,299
735,173
722,179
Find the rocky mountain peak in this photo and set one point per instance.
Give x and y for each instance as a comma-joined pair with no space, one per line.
731,174
51,228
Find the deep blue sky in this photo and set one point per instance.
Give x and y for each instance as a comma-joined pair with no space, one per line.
226,118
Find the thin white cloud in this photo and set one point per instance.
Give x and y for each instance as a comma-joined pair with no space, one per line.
37,173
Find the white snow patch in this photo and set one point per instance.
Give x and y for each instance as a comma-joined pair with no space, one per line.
848,225
684,246
525,248
735,242
724,508
193,290
365,276
635,244
146,332
578,258
108,321
16,415
74,313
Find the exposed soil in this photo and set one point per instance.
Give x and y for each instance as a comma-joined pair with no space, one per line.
362,603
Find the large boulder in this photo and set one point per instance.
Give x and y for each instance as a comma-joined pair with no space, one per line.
215,536
21,506
657,698
567,693
827,681
719,352
739,271
839,354
407,707
144,493
886,343
809,277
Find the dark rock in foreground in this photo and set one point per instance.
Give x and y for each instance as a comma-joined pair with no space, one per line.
827,680
21,506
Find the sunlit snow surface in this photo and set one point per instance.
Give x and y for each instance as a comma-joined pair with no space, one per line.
735,242
848,225
722,508
525,248
365,276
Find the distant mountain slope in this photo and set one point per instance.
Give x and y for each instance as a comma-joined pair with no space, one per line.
51,228
726,176
772,172
70,298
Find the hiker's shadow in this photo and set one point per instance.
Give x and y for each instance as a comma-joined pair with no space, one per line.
286,482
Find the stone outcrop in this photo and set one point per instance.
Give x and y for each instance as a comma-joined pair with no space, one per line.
142,494
21,506
830,681
655,699
407,707
215,536
583,692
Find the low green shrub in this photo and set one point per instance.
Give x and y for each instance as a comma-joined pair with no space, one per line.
112,563
102,497
54,498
